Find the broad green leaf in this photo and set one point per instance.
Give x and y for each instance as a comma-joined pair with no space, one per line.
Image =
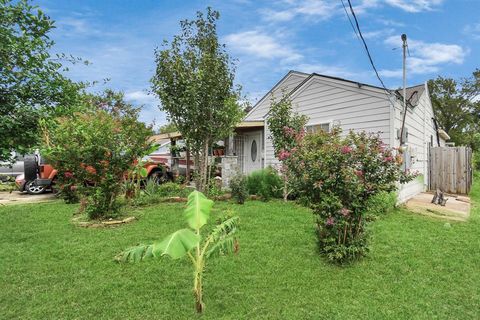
225,229
143,172
198,209
177,244
222,247
135,254
222,237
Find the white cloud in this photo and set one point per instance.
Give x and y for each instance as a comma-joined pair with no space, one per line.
141,97
426,57
318,9
150,113
472,30
415,6
329,70
261,45
378,33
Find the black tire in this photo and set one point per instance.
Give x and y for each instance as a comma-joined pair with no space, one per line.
30,166
158,176
33,189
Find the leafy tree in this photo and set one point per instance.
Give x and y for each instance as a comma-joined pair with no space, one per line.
456,106
167,128
286,130
188,242
97,147
194,81
31,83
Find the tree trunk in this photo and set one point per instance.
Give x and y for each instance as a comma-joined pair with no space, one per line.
198,292
202,167
197,284
197,176
187,175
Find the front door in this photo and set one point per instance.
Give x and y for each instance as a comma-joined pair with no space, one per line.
253,151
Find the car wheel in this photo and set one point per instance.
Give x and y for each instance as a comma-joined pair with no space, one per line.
30,168
32,188
158,176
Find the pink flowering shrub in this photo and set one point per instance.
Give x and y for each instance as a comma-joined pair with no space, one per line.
286,131
336,176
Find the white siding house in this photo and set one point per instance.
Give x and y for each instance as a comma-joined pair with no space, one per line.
329,101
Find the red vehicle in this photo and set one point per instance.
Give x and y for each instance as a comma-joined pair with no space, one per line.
39,177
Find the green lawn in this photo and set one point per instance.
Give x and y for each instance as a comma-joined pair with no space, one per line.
417,269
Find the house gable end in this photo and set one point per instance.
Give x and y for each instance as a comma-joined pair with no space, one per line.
290,81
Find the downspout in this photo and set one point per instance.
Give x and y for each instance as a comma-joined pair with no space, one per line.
436,131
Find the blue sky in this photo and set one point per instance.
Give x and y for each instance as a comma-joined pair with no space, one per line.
268,38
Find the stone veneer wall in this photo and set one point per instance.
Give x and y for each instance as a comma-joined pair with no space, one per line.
230,168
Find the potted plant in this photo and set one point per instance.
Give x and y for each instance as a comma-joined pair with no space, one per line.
218,150
183,152
174,150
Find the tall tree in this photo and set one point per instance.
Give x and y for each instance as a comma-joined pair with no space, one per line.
194,80
167,128
456,106
31,82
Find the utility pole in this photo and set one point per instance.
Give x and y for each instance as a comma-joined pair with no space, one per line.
404,47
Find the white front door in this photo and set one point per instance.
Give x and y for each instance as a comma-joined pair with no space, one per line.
253,151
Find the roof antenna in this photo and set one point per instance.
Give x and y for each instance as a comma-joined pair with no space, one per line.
404,47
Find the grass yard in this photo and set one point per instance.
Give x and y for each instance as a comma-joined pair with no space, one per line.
417,268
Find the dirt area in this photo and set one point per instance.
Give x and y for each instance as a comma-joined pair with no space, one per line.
457,208
7,198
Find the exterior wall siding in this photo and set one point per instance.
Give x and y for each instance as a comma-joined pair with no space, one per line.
349,107
291,81
421,130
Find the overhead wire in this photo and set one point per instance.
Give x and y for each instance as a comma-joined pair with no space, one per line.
362,39
350,20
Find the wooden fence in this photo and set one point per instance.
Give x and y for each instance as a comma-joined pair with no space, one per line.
451,169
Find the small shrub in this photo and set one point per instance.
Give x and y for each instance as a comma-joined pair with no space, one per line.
7,184
68,192
265,183
172,189
102,203
341,178
151,187
238,187
381,204
476,160
215,191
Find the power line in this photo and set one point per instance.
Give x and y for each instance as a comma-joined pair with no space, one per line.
350,20
365,45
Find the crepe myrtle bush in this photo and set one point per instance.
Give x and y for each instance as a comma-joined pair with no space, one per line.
336,176
93,151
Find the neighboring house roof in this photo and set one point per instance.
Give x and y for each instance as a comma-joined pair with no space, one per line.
165,136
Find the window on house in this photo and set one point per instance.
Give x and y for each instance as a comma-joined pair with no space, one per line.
317,127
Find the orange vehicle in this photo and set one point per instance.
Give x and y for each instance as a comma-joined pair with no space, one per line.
39,177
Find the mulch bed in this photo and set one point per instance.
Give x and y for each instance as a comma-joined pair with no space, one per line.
103,224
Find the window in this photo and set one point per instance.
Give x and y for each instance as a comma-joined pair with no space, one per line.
253,150
317,127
